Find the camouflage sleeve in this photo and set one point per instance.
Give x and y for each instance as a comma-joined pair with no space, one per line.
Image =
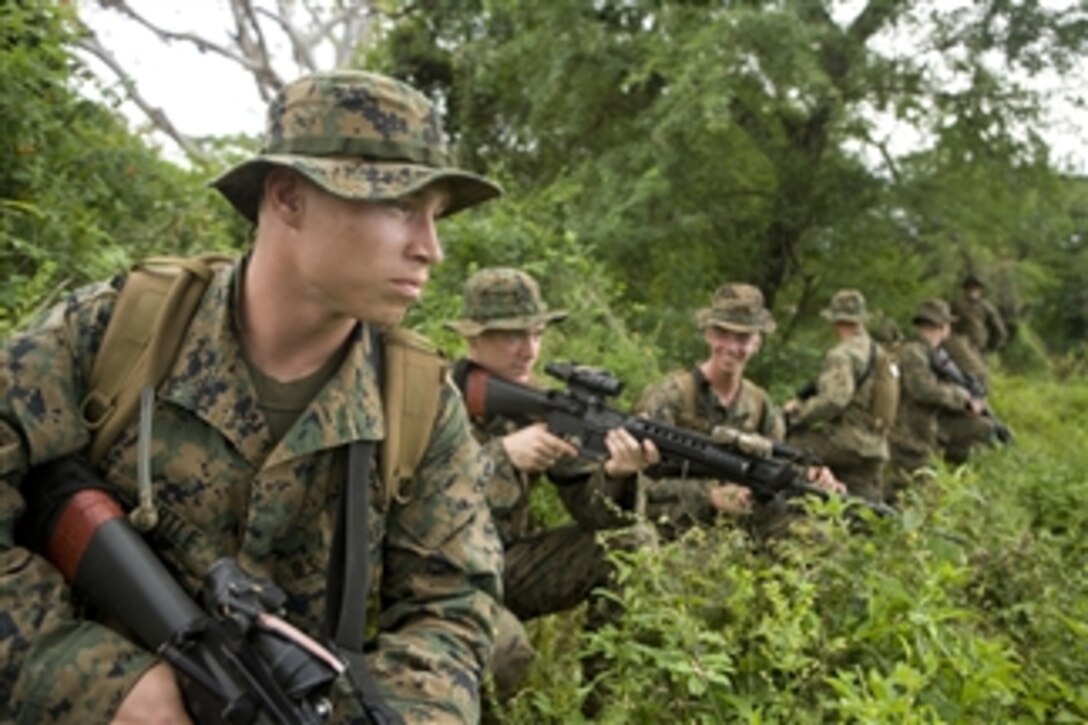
672,499
963,353
596,500
995,325
773,425
507,489
54,665
835,389
441,580
920,382
662,401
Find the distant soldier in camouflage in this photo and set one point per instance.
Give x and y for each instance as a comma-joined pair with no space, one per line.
547,570
837,422
272,382
958,431
977,319
715,393
978,328
924,395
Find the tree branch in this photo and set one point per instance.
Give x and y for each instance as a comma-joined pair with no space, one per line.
250,39
90,43
202,44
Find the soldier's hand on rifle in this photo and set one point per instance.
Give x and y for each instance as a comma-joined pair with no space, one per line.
822,477
626,456
729,498
533,449
154,698
975,406
791,406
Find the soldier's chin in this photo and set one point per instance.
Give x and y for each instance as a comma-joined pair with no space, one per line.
385,317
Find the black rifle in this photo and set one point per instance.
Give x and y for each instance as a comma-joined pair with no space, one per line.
236,660
580,415
808,390
947,369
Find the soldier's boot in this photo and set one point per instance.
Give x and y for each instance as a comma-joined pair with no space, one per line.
512,657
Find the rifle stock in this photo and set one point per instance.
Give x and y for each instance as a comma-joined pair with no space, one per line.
236,662
580,415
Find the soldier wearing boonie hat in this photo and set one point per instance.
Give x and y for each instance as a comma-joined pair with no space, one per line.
357,135
924,395
502,298
272,383
547,570
977,319
711,394
933,312
836,422
738,307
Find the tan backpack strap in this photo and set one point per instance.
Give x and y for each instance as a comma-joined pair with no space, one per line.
414,375
688,389
143,336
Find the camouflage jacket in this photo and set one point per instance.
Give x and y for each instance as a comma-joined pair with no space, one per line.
840,409
922,397
593,500
225,488
966,356
685,399
980,322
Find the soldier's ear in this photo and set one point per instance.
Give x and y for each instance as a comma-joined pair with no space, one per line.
285,195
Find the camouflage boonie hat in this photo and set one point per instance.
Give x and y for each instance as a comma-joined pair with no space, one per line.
502,298
738,307
934,312
885,330
847,305
973,280
358,135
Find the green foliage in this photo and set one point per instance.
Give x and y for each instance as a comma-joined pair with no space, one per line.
80,197
971,606
686,144
596,332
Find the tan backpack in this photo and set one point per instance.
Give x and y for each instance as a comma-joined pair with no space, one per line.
144,334
884,401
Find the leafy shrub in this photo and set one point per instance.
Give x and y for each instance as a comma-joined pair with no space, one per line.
970,606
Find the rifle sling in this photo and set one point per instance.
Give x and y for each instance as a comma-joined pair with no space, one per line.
348,577
869,367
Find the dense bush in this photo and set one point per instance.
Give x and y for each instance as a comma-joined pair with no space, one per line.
971,606
81,197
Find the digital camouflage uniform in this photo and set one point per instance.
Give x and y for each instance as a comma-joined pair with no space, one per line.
547,570
685,399
958,431
836,423
978,320
924,396
224,487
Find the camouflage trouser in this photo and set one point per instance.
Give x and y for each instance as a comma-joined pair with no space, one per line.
960,433
511,655
552,572
547,573
863,476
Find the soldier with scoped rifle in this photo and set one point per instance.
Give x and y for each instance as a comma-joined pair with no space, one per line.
714,396
547,569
